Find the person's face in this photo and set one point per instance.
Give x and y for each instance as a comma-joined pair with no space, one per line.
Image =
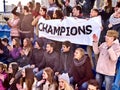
61,84
13,42
109,39
93,13
36,45
118,13
10,70
42,12
23,73
44,75
24,42
66,3
50,1
75,12
48,48
65,49
54,15
91,87
77,54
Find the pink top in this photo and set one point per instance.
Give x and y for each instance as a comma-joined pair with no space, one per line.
1,82
107,57
14,26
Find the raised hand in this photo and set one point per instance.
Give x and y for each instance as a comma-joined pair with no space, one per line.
95,38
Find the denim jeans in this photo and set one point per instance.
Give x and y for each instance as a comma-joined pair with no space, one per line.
108,81
82,87
38,75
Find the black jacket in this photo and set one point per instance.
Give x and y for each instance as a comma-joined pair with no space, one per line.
51,60
37,57
66,59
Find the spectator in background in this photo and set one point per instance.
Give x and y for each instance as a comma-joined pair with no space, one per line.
117,6
114,21
98,4
107,10
30,6
13,24
27,30
66,57
26,53
36,10
114,18
87,6
43,13
58,14
93,13
37,55
14,50
67,9
64,82
4,51
77,12
109,51
51,8
81,69
93,85
59,3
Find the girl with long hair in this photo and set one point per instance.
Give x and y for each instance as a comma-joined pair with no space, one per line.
27,79
47,82
15,49
26,52
64,82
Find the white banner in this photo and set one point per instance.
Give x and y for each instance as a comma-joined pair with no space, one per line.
78,31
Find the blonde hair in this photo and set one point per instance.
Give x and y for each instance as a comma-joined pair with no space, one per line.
81,50
112,33
67,86
3,66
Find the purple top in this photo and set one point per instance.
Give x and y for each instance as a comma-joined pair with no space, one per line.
15,53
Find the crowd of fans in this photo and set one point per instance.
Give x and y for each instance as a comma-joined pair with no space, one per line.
30,63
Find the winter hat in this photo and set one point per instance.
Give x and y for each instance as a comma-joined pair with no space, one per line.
40,42
112,33
65,77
